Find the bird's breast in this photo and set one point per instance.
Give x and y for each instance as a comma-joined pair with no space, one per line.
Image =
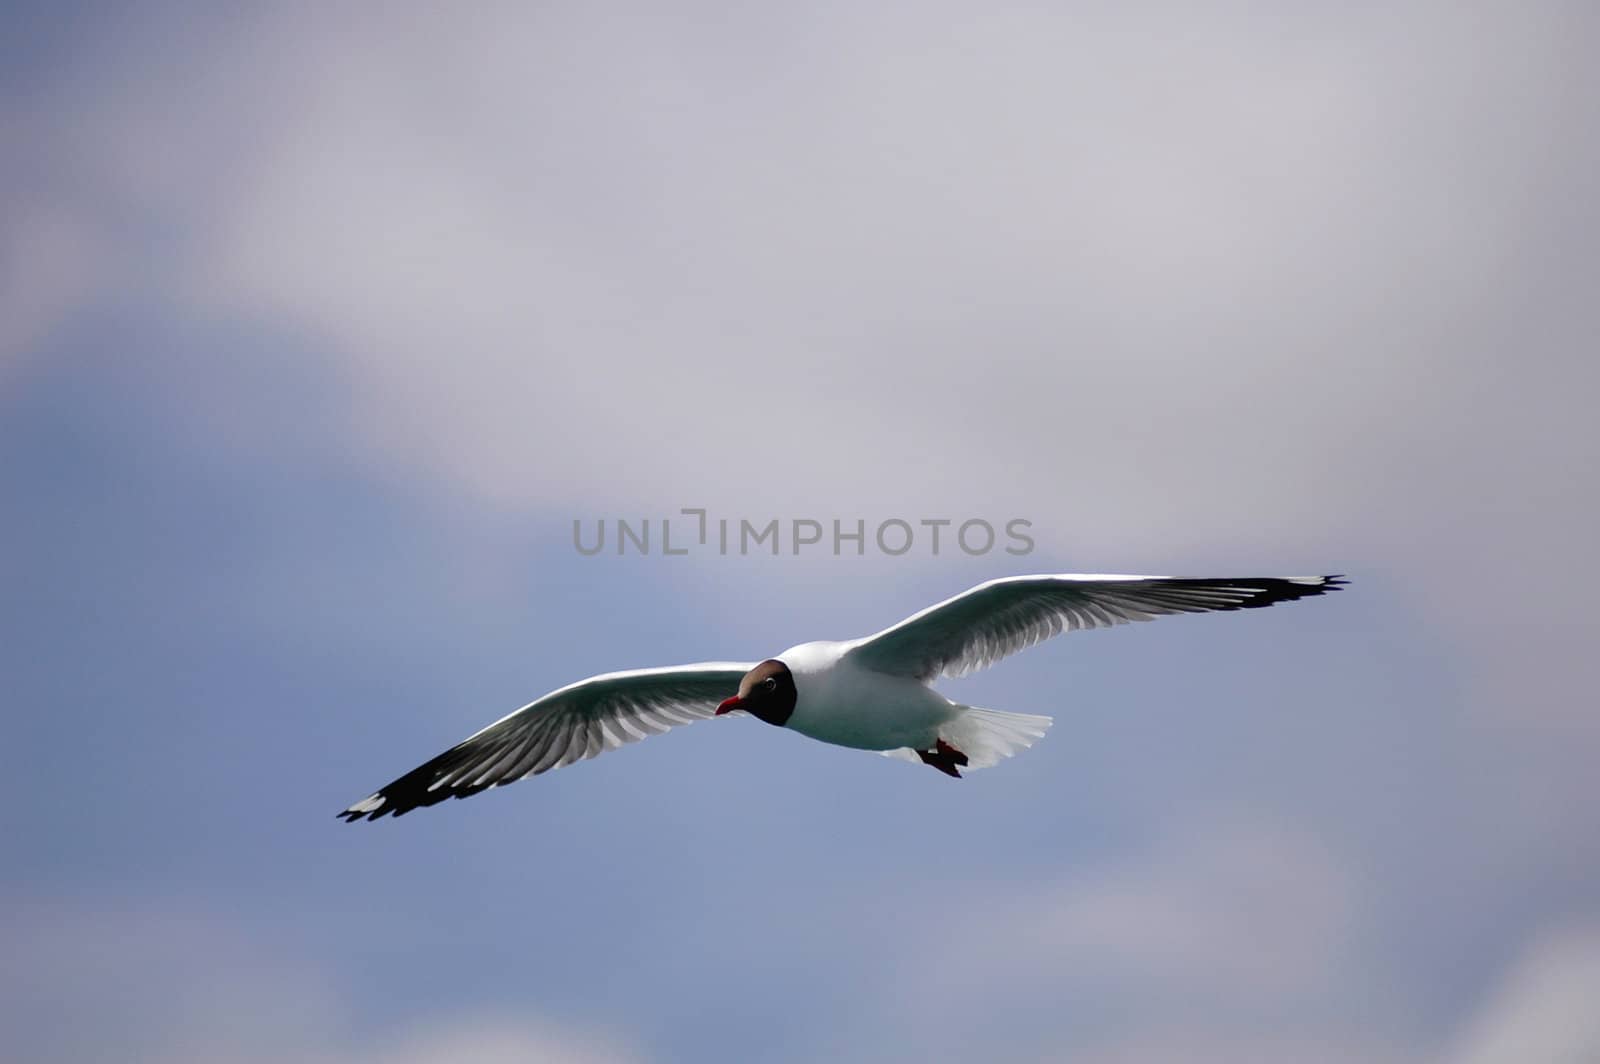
855,707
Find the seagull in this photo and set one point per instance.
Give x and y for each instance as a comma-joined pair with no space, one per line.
870,694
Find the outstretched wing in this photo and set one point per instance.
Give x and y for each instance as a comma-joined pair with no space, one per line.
576,722
1000,617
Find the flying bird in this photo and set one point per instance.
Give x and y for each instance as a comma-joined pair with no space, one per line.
870,694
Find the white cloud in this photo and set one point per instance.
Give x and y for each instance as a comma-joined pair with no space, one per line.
82,983
1238,912
496,1041
565,259
1545,1007
47,270
1232,940
1190,1047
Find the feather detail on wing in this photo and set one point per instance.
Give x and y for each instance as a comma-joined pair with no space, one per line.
1000,617
576,722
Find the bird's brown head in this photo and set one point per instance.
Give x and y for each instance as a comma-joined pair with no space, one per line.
767,691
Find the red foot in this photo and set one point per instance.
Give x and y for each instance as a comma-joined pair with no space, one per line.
944,757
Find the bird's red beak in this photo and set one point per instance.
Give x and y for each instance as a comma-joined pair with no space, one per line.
729,705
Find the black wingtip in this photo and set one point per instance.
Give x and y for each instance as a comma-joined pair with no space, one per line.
1331,582
369,808
1263,590
1272,590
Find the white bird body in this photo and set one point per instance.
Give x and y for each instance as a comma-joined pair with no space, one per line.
842,702
873,693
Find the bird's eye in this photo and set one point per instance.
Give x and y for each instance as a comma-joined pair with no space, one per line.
770,683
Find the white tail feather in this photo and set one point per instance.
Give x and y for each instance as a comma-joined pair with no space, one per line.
986,736
989,736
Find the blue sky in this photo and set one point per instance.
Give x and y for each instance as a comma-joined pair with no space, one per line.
318,331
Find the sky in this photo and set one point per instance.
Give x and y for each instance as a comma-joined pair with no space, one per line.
319,329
